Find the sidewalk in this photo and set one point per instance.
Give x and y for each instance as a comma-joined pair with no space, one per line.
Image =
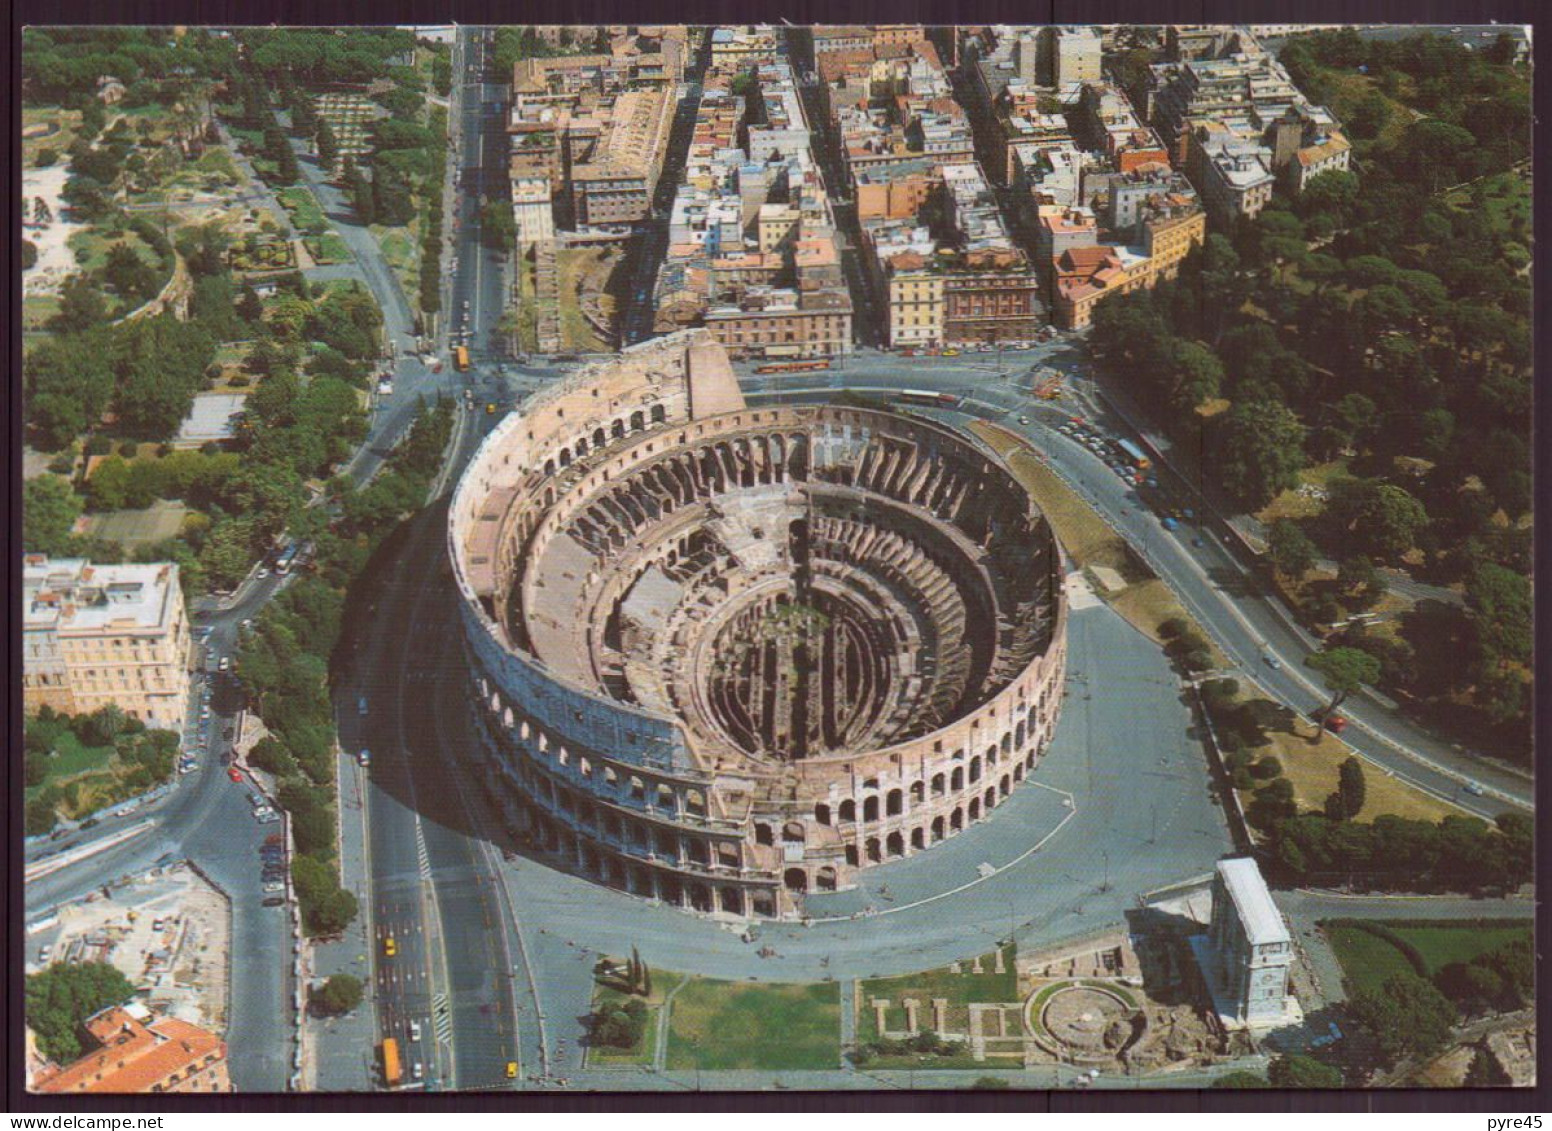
341,1050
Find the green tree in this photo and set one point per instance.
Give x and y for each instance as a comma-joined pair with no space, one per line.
1351,789
62,997
360,189
328,145
340,994
1344,671
1290,549
498,226
1406,1016
1299,1071
49,510
1260,451
81,306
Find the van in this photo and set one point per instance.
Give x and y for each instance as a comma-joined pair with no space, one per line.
414,1030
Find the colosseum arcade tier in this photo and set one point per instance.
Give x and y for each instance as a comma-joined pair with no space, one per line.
728,656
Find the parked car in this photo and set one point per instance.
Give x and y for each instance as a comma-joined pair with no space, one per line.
275,901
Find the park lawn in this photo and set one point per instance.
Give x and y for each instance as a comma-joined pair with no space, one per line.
1314,770
1440,946
960,990
144,527
1368,960
91,248
603,1056
731,1025
328,248
72,760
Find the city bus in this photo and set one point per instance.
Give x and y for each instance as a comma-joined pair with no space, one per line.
792,366
1133,455
921,396
461,358
392,1076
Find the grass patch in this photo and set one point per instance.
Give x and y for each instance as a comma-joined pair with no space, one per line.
328,248
528,311
401,249
577,333
603,1056
1440,945
303,207
59,141
91,248
721,1025
71,760
1314,770
960,990
1291,504
1367,959
156,523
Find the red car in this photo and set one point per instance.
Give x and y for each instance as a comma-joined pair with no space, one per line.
234,774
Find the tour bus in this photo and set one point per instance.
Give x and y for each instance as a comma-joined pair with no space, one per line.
921,396
286,560
461,358
1134,455
792,366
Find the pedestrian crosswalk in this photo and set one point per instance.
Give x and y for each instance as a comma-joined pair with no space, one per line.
420,852
441,1017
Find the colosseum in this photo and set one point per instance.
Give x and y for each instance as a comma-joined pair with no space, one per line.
726,656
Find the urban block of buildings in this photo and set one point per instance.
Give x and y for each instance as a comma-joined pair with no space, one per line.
752,252
95,635
588,133
1234,120
139,1052
1247,953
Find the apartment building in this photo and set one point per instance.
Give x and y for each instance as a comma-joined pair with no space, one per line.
142,1053
110,634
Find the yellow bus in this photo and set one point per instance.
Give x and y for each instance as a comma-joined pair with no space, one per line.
461,359
391,1072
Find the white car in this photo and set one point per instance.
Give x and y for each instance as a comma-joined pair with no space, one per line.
274,887
226,662
262,574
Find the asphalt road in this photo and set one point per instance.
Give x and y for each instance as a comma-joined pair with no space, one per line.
1217,588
